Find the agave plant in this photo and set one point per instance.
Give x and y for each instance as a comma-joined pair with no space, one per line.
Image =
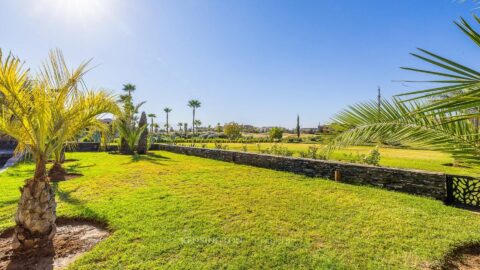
406,123
33,112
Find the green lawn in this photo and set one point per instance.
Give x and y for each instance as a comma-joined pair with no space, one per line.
390,157
175,211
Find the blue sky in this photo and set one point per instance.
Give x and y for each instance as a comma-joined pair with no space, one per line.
255,62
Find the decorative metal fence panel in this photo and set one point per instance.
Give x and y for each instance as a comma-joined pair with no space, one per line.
463,190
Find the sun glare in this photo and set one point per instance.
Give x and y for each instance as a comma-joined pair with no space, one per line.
83,12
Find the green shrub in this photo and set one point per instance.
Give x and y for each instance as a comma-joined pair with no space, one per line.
354,158
312,152
244,148
276,133
294,140
277,150
373,158
232,130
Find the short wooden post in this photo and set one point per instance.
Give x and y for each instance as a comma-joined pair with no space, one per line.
338,176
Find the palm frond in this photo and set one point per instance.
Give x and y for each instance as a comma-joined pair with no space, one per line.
396,121
461,90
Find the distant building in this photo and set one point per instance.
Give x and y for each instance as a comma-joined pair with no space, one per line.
250,129
308,130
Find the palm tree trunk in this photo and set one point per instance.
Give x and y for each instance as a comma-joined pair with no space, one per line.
36,214
57,172
193,122
168,131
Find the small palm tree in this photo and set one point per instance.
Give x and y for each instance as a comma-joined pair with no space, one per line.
129,88
198,123
127,124
42,112
152,116
167,126
180,125
131,134
194,104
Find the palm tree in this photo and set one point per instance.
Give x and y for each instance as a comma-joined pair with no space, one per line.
180,125
443,118
152,116
131,134
129,88
34,112
194,104
198,123
405,123
82,109
127,126
167,111
459,89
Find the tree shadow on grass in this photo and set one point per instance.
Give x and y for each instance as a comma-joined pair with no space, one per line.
150,157
66,196
74,168
6,203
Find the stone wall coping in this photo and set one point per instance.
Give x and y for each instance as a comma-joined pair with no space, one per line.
331,162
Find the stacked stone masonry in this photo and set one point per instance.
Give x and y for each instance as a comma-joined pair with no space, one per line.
409,181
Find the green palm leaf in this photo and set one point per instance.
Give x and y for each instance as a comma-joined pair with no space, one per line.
461,94
397,121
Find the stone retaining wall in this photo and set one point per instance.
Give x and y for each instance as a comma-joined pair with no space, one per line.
410,181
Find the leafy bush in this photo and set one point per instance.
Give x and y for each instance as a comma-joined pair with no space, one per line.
312,152
354,158
221,146
276,133
373,158
244,147
276,150
232,130
294,140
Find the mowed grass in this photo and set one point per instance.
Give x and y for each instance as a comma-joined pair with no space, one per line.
182,212
390,157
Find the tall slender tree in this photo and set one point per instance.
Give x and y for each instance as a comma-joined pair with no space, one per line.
194,104
185,128
129,88
155,127
152,116
34,113
298,126
143,140
167,111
